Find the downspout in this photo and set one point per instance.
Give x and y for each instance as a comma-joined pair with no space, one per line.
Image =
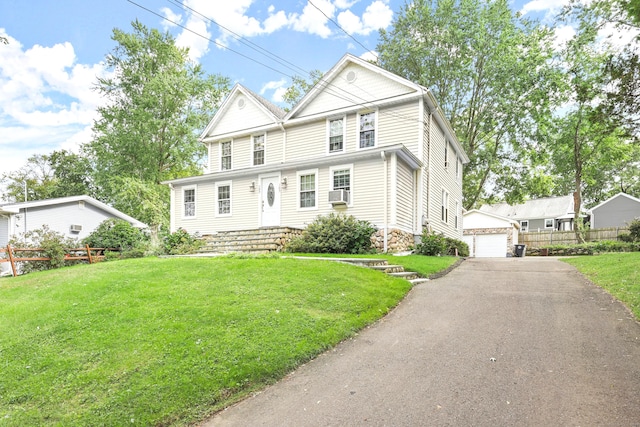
385,200
428,219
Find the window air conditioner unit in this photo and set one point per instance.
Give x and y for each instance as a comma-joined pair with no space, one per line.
339,197
76,228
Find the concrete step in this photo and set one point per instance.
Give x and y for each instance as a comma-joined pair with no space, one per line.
388,268
407,275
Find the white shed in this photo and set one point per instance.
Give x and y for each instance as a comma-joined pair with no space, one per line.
489,235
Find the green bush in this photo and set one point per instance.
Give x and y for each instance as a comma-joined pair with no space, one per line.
453,244
625,238
118,234
591,248
54,245
181,242
335,233
634,229
432,244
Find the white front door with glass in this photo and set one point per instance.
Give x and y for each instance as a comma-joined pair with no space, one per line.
270,201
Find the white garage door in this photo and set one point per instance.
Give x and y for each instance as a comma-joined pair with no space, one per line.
491,246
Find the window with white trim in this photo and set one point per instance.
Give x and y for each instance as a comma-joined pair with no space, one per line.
445,206
307,184
446,154
548,223
336,135
223,196
189,201
258,150
458,169
341,179
225,156
524,226
457,215
367,129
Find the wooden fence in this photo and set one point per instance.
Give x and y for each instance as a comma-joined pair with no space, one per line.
91,255
551,237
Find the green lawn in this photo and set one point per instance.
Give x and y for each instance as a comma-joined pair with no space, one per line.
618,273
169,341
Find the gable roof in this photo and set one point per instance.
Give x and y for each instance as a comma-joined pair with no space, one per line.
13,208
272,112
543,208
621,194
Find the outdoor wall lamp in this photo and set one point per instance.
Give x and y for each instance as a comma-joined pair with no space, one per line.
252,187
284,182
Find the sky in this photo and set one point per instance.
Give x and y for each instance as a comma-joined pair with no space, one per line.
56,50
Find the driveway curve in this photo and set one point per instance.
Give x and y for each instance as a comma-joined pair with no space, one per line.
496,342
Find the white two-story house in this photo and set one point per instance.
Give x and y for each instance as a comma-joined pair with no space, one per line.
363,141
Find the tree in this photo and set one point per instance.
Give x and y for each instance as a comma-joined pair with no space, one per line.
157,101
489,69
300,86
46,176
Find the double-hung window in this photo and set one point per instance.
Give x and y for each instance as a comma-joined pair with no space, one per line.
189,200
225,156
445,206
258,150
336,135
367,130
446,154
341,179
457,213
223,191
307,188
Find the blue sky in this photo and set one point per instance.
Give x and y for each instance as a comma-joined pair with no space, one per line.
56,49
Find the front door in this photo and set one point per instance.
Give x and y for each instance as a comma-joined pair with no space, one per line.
270,201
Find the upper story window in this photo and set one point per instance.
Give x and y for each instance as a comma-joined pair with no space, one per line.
446,154
258,150
224,198
367,130
458,169
336,135
225,156
457,215
307,184
445,206
189,200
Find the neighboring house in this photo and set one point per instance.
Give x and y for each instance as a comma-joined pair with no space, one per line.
362,141
489,235
618,211
75,217
547,213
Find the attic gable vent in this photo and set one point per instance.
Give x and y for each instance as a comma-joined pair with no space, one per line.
241,103
351,76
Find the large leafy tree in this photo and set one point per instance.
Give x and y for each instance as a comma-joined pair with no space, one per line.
157,101
490,71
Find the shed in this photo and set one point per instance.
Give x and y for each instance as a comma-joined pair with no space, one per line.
489,235
617,211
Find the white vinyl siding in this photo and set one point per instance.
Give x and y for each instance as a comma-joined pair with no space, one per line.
306,141
405,197
399,124
238,119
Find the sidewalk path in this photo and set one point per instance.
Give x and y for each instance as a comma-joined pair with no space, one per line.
496,342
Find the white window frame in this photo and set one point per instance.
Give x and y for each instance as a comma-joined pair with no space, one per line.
524,228
444,208
299,174
446,154
457,216
332,169
344,134
548,227
195,202
230,142
264,149
217,208
375,130
458,169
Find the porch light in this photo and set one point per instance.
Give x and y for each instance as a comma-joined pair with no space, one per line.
284,182
252,187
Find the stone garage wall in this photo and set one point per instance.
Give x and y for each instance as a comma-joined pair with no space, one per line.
398,240
480,231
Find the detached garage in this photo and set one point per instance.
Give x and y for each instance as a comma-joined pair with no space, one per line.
489,235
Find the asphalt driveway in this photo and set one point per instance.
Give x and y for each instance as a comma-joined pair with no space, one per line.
496,342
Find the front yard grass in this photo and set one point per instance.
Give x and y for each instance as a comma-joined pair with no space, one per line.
618,273
170,341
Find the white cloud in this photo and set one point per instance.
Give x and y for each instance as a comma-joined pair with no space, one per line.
279,87
370,56
312,20
377,15
562,35
195,38
47,100
173,19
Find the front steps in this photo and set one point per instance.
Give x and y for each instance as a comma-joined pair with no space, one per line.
381,265
259,241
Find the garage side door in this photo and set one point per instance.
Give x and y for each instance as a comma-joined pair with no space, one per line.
468,239
491,246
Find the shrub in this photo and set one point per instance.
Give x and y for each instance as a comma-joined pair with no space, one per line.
625,238
54,245
118,234
453,244
432,244
634,229
181,242
335,233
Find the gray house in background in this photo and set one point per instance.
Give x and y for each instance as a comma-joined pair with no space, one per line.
75,217
547,213
618,211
